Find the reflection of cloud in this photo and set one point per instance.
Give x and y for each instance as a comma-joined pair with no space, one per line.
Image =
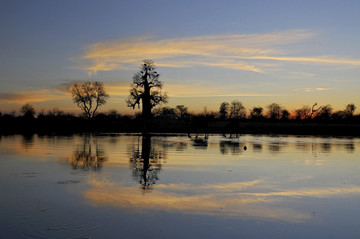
253,199
215,50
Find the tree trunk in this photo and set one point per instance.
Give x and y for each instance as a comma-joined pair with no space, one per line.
146,104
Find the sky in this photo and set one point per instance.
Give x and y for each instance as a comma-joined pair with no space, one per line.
293,53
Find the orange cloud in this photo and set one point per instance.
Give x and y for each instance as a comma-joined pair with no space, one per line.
319,60
213,50
41,95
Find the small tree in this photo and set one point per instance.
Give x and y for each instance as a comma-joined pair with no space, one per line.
146,88
237,110
303,113
224,110
28,111
274,111
285,114
182,111
256,112
89,96
349,110
325,112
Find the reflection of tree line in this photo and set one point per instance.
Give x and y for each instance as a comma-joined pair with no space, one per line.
147,155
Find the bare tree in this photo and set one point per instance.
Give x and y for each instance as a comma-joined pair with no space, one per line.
182,111
237,110
313,110
89,96
224,110
304,113
146,88
274,111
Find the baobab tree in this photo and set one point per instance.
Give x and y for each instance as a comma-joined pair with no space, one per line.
146,89
89,96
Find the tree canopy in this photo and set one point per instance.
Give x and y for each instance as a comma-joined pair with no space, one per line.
146,89
89,96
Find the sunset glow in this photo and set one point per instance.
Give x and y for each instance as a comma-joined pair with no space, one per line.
256,52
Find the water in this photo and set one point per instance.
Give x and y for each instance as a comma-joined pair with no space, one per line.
129,186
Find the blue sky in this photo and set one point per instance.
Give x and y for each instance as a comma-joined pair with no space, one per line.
293,53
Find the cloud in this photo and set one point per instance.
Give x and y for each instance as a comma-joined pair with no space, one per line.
183,90
223,51
319,60
312,89
41,95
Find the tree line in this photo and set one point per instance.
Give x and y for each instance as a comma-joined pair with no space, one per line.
146,92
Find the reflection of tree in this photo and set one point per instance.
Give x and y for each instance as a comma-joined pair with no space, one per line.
257,147
27,141
146,163
350,147
232,147
88,157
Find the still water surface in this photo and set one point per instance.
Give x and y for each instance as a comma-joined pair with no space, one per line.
130,186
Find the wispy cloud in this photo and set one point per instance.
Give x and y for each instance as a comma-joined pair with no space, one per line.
40,95
312,89
183,90
227,51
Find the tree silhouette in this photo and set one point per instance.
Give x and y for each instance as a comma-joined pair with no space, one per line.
89,96
303,113
313,110
237,110
349,110
224,110
28,111
182,111
274,111
146,88
325,112
256,112
146,163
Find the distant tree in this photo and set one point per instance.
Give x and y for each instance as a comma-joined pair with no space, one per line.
182,112
303,113
237,110
89,96
349,110
28,111
55,112
338,115
324,113
256,112
146,88
314,110
274,111
285,114
113,114
224,110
